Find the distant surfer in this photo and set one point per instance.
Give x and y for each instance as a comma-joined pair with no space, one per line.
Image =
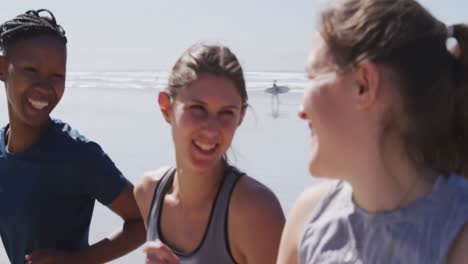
275,87
275,90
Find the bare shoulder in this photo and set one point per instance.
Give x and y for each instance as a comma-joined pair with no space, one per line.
250,197
144,189
255,222
310,199
459,252
149,180
297,219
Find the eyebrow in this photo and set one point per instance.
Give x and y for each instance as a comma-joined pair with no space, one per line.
224,107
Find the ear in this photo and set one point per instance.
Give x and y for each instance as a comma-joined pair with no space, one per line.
367,77
164,102
2,68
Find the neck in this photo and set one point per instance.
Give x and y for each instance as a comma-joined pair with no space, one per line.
22,136
194,189
389,180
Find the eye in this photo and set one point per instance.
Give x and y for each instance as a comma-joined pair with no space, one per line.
197,109
30,69
227,113
58,76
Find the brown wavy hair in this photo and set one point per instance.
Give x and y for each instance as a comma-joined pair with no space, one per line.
433,82
206,58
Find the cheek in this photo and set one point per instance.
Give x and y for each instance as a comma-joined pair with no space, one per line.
180,136
314,102
187,121
229,130
328,101
231,123
59,92
59,86
178,123
321,104
13,90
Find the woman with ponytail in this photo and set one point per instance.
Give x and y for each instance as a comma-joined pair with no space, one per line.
389,122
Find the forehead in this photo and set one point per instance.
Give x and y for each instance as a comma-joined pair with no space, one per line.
31,47
209,87
319,59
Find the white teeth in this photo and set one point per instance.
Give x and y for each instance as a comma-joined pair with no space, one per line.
38,104
205,147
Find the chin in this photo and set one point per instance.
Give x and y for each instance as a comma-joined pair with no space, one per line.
314,170
203,166
329,170
314,163
320,164
319,168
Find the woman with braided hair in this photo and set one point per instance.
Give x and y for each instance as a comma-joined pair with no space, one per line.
387,107
50,175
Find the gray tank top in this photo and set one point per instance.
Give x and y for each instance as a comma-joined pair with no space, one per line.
214,247
341,232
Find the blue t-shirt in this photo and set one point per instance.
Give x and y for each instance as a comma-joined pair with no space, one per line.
47,192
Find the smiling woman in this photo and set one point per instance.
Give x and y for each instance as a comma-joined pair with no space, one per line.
204,210
50,174
25,63
387,106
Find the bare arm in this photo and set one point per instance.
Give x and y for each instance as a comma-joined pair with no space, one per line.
292,233
255,223
125,240
144,191
459,252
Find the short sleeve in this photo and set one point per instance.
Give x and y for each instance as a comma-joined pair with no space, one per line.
104,181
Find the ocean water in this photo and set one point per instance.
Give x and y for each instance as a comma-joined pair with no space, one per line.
119,111
142,80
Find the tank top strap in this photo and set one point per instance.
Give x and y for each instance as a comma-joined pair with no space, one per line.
156,204
214,247
217,233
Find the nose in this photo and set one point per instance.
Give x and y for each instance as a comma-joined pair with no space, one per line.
301,114
44,83
212,126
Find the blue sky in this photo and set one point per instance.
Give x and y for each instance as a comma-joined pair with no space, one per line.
267,35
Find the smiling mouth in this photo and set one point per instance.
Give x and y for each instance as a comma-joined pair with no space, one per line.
38,104
204,147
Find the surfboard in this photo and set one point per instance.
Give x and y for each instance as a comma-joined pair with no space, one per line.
277,89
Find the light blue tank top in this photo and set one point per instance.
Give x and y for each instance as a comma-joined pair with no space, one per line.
341,232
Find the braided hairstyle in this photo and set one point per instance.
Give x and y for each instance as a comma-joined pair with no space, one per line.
30,24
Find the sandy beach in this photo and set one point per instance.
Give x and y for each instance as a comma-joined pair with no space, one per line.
129,127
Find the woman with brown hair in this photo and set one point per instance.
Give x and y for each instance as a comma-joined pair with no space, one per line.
204,210
389,121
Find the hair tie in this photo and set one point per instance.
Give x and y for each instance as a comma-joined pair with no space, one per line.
451,41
